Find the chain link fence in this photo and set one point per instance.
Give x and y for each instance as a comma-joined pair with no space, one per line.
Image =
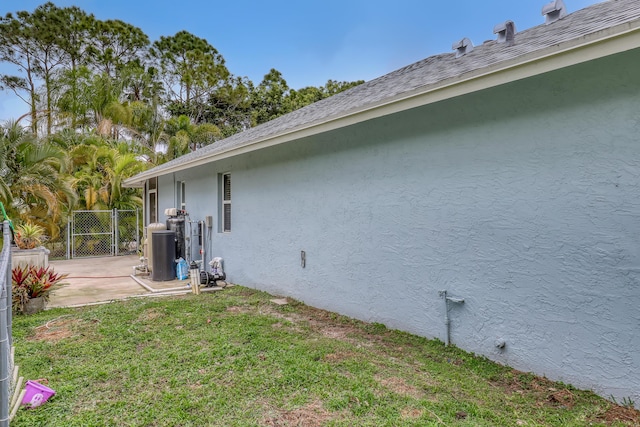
128,232
98,233
6,338
58,245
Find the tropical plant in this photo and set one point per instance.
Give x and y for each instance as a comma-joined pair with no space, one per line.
29,282
182,136
99,169
41,191
28,235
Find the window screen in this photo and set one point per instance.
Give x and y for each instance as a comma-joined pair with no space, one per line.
226,202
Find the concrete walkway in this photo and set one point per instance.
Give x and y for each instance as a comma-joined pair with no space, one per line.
96,280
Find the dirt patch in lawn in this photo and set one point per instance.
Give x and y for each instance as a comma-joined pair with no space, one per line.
238,309
617,414
545,391
56,330
399,385
548,393
339,356
411,413
310,415
150,314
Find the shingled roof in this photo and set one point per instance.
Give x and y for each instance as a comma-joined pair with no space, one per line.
578,37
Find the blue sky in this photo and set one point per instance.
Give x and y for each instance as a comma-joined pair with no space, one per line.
310,41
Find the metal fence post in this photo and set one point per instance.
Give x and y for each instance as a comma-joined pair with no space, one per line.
69,236
6,237
116,233
5,327
138,230
73,237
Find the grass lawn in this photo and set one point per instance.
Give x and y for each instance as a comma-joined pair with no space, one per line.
233,358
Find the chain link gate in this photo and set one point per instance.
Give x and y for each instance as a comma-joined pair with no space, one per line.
103,233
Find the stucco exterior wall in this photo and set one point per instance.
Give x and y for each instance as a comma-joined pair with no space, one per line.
524,200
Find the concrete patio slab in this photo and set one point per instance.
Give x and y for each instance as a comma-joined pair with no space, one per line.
99,280
94,280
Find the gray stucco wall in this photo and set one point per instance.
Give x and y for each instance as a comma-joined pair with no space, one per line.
524,200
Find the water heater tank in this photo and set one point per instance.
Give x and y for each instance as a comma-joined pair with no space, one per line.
176,224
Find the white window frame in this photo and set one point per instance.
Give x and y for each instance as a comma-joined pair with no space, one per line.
153,204
181,188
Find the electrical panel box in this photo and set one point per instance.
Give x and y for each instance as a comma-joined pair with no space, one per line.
209,220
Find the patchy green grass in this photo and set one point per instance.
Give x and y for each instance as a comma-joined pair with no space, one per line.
233,358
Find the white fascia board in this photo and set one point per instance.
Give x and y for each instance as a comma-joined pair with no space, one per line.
604,43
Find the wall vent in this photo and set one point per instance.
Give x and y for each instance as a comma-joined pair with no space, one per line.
462,47
506,32
553,11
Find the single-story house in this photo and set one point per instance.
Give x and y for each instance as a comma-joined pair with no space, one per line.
506,174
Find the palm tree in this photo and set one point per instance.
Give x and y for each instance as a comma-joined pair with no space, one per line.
9,138
99,169
183,136
34,182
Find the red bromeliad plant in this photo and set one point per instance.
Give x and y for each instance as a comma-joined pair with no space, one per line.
32,282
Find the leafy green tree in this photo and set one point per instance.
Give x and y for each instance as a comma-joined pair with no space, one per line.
39,43
17,47
333,87
76,45
49,27
204,134
142,95
73,93
192,70
183,136
141,83
296,99
268,99
114,44
127,106
95,103
229,107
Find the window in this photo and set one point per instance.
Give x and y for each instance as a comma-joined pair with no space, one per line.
181,195
153,200
226,202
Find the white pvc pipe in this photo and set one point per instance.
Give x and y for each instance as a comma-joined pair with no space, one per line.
14,411
150,289
447,321
183,292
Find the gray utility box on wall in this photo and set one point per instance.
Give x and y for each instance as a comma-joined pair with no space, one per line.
164,255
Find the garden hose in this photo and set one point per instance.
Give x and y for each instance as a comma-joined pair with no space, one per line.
4,213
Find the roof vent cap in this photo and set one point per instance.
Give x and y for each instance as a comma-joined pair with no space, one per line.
462,47
553,11
506,32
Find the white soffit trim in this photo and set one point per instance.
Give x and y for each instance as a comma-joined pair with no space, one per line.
598,45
